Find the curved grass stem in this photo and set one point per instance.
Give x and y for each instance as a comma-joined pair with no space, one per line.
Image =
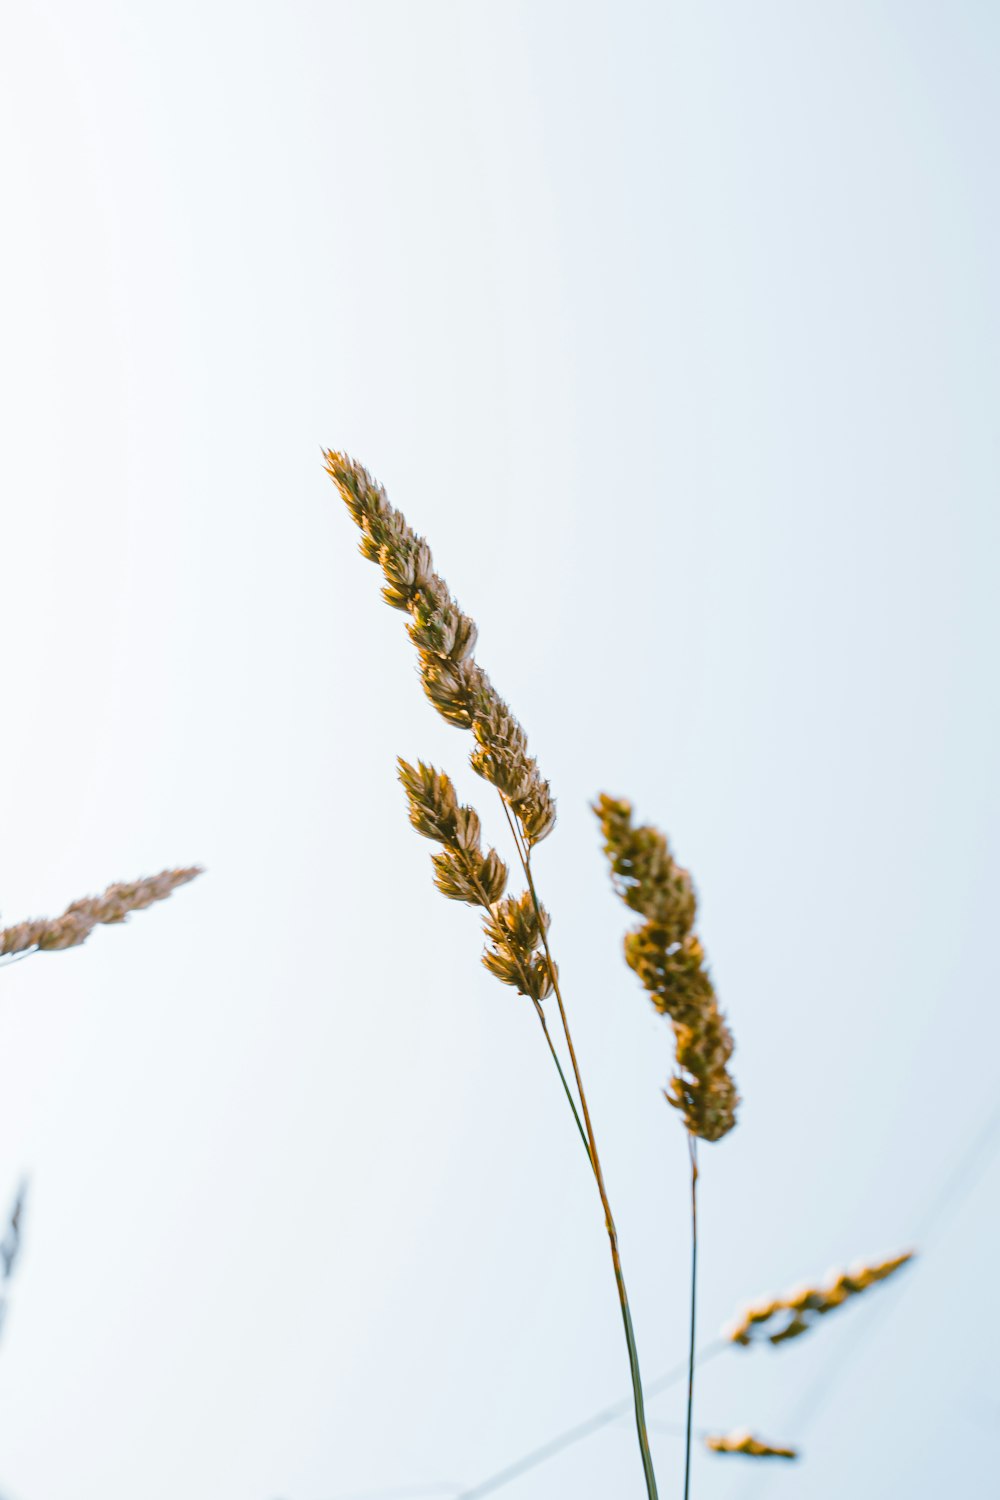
633,1355
562,1076
693,1149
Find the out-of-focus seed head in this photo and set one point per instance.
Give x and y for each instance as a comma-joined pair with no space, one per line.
743,1442
776,1320
53,934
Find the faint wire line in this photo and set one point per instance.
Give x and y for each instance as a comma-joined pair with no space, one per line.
401,1491
583,1429
958,1183
956,1186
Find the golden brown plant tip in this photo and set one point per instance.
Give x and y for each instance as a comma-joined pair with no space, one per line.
445,638
775,1320
742,1441
670,964
463,872
50,934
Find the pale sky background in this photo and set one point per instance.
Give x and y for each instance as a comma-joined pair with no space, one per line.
675,328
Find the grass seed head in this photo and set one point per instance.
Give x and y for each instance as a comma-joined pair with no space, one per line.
462,872
77,922
743,1442
445,638
669,961
775,1320
515,953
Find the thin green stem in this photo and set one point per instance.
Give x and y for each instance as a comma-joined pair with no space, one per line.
633,1354
555,1058
484,901
693,1149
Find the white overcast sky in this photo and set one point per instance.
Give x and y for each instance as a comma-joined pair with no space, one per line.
674,326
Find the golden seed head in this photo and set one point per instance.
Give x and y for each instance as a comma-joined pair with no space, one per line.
445,638
778,1319
515,953
670,963
432,801
742,1441
467,875
461,871
643,871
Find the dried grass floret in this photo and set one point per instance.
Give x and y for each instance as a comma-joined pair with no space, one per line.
670,963
516,954
74,926
445,638
742,1441
463,872
775,1320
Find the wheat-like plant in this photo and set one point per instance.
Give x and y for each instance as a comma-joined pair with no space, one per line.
670,962
518,950
663,950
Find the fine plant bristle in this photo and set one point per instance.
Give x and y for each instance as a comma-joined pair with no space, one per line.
50,934
742,1441
670,963
445,637
464,873
775,1320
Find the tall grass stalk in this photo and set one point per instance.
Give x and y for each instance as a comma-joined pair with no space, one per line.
633,1354
693,1149
598,1175
516,927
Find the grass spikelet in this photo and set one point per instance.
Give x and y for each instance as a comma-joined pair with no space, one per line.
670,963
462,872
74,926
445,638
515,953
775,1320
743,1442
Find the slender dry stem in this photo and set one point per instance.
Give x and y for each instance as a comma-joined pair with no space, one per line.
633,1353
693,1149
562,1076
